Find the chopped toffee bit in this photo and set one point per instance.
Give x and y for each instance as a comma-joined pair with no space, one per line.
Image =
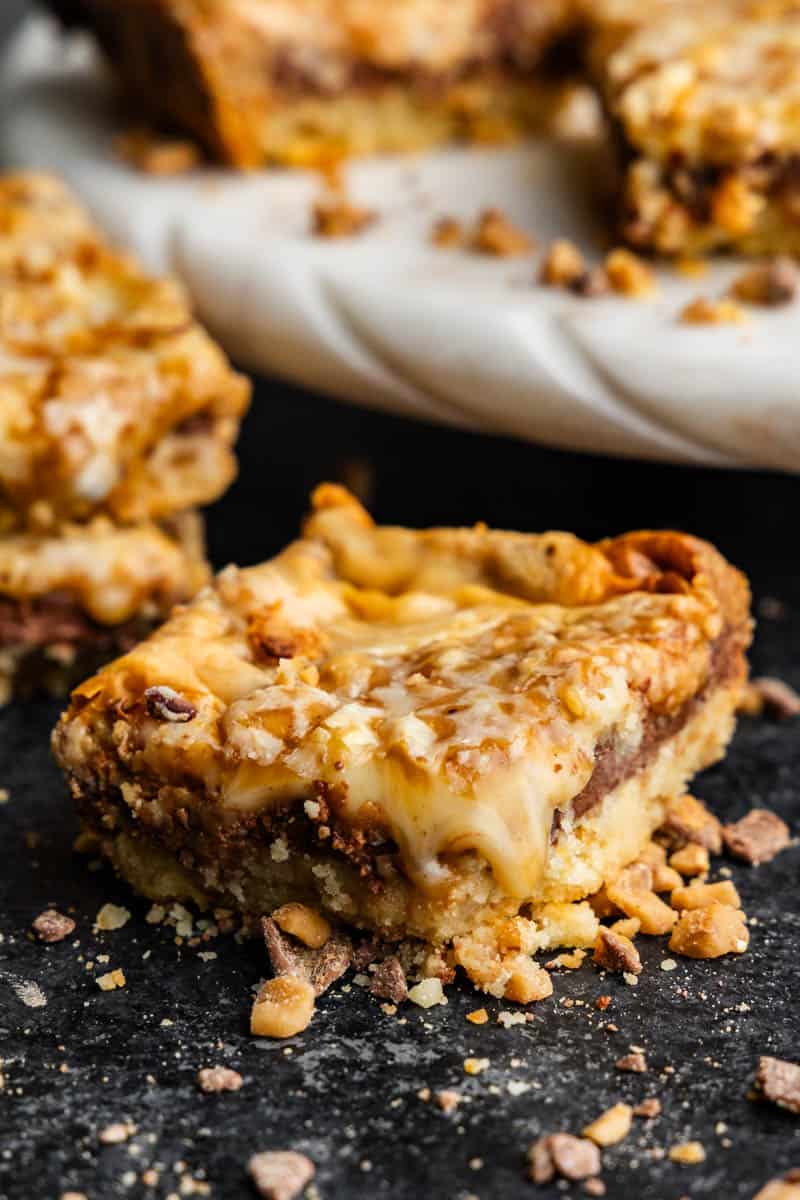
710,932
703,311
602,1002
338,218
111,917
757,837
589,284
448,233
111,980
648,1108
700,895
629,274
632,892
563,1154
303,923
687,1153
691,860
569,961
283,1007
427,993
665,878
389,981
594,1187
143,149
218,1079
626,927
688,820
478,1016
780,700
165,704
280,1174
779,1082
771,283
635,1062
448,1100
474,1066
611,1126
614,952
53,926
496,235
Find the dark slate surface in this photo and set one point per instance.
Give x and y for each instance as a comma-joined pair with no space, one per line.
345,1092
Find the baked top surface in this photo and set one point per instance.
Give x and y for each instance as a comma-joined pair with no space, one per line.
715,83
111,397
449,688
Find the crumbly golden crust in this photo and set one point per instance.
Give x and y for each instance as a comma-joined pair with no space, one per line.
112,399
414,706
703,100
307,80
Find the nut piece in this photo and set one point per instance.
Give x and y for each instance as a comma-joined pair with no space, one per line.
691,860
773,694
389,981
632,891
771,283
562,265
688,1153
635,1062
283,1007
611,1126
280,1174
218,1079
111,980
165,704
496,235
616,953
648,1108
710,932
427,993
339,219
448,233
700,895
629,274
563,1154
53,926
757,837
779,1082
703,311
302,922
688,820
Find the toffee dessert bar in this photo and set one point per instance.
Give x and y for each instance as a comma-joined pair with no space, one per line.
419,733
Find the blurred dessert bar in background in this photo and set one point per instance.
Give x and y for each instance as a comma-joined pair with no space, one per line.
703,100
118,416
307,82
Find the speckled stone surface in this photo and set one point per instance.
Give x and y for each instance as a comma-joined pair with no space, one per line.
345,1092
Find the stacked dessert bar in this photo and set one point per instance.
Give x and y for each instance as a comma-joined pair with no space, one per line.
117,419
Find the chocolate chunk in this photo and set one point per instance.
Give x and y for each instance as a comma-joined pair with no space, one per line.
280,1174
52,926
757,837
320,967
688,820
165,704
616,953
389,981
779,1082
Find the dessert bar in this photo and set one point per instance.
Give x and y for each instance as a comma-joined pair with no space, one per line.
309,81
421,733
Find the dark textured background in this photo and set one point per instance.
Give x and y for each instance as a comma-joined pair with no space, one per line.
345,1091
